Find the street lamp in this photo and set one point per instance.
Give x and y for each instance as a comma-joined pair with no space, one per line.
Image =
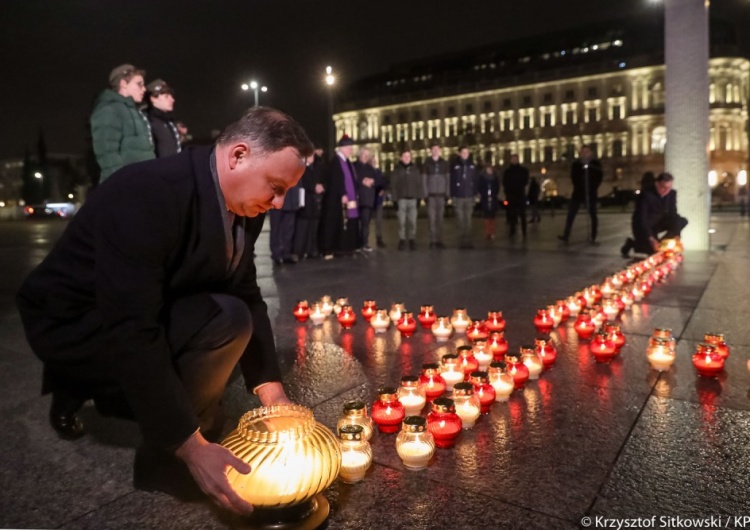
255,88
330,80
37,175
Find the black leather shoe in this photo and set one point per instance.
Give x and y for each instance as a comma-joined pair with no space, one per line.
63,416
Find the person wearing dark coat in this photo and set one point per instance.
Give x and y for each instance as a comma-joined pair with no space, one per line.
586,174
515,180
407,189
308,216
655,213
159,112
489,191
281,236
533,199
464,181
367,189
436,177
150,299
339,220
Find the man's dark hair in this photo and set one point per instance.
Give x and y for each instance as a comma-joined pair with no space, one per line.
665,177
268,130
434,144
461,148
405,150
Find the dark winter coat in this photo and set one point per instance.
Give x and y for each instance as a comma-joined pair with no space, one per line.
436,177
406,182
367,196
489,188
164,132
120,133
515,180
464,179
578,175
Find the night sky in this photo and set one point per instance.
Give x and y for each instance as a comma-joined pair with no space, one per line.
56,54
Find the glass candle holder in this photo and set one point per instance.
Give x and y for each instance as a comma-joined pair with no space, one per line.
582,302
517,370
626,297
369,308
387,411
477,331
717,340
326,304
637,293
495,321
645,286
346,317
563,308
415,444
619,302
615,335
500,380
293,457
397,310
355,413
532,361
356,454
660,355
411,395
598,317
451,370
380,321
498,345
482,353
467,404
546,351
666,334
339,304
610,308
555,314
483,390
431,380
707,360
607,288
442,329
460,320
406,324
317,315
301,311
603,349
597,293
426,316
589,296
443,422
584,326
467,360
543,321
574,306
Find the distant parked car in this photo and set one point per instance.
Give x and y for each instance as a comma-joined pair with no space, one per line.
618,198
50,209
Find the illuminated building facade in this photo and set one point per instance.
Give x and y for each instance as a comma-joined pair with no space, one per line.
543,98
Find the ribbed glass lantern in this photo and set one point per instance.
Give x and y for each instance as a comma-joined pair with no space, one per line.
293,459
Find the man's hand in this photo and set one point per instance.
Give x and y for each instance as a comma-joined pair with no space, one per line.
344,199
654,244
272,394
368,182
209,463
319,189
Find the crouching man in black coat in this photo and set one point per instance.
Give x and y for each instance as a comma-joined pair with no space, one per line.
150,299
655,213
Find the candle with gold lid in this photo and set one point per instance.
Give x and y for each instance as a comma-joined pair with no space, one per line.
397,310
500,380
406,324
707,360
546,351
451,370
477,331
555,314
666,334
442,329
717,340
482,353
301,311
326,305
660,356
346,317
603,349
387,411
543,321
317,315
532,361
431,380
460,320
427,316
467,404
411,395
380,321
369,308
415,444
498,345
356,454
615,335
443,422
355,413
516,369
340,303
467,360
564,309
483,390
495,321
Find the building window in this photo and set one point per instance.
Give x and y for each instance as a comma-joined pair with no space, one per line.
591,115
402,117
527,101
617,148
527,155
657,95
548,97
548,119
487,106
548,154
451,111
592,92
616,112
506,103
570,95
594,149
362,130
570,116
487,125
658,139
526,122
570,151
433,113
507,124
469,108
417,115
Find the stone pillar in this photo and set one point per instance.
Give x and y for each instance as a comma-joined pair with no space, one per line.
687,114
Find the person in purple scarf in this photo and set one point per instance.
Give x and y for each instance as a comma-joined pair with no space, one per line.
339,224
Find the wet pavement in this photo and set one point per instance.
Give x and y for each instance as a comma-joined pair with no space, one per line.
585,440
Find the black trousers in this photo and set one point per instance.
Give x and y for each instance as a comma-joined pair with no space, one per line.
516,211
306,236
282,234
365,215
203,355
573,207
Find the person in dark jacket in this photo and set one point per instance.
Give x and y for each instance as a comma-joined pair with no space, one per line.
436,177
586,174
281,236
464,182
533,199
655,213
515,180
147,309
489,190
381,186
308,216
120,132
339,219
407,189
164,132
367,183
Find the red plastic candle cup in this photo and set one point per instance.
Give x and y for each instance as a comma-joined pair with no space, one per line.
564,309
301,311
717,340
603,349
517,370
543,321
467,361
615,335
498,345
584,326
707,360
406,324
546,351
369,308
387,411
432,381
427,316
477,331
444,423
495,321
483,390
346,317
